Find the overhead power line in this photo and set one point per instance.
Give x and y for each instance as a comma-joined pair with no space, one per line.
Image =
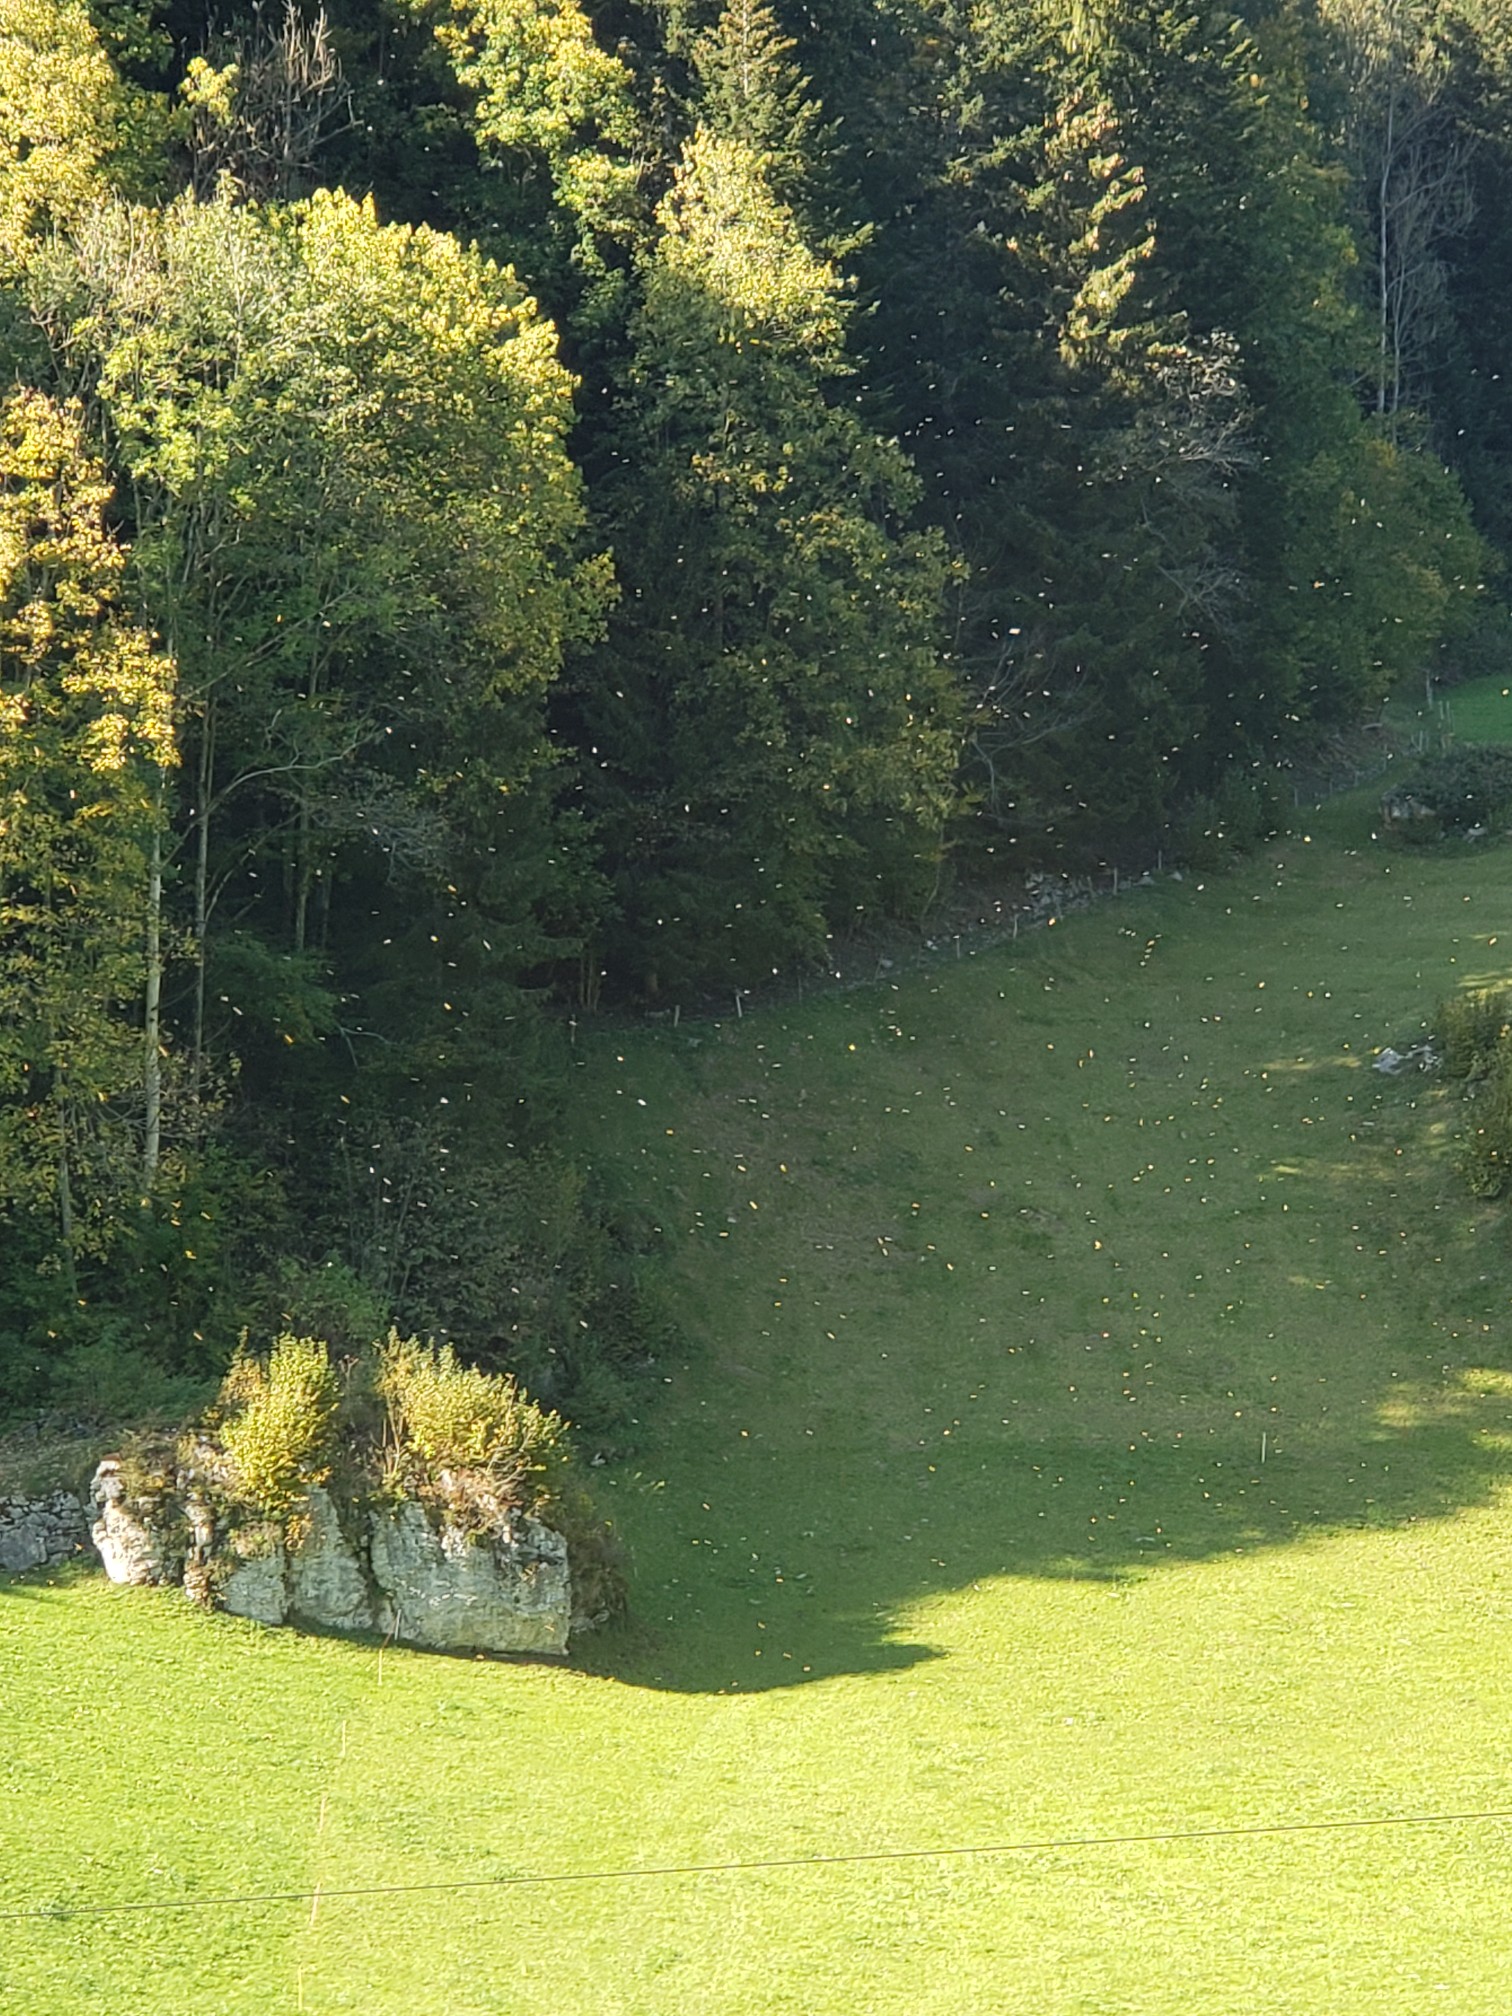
662,1871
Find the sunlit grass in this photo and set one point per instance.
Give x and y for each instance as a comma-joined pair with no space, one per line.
1095,1421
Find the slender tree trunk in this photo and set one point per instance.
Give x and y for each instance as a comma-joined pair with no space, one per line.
65,1194
303,865
302,874
323,905
1383,255
59,1101
204,784
153,1062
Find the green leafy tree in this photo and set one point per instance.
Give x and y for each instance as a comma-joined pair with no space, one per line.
60,108
768,736
356,518
86,743
364,646
554,113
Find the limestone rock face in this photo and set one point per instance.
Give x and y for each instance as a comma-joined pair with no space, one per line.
405,1568
140,1540
38,1532
256,1586
506,1591
325,1581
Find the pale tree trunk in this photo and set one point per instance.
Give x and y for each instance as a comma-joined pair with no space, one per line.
302,873
1411,154
65,1195
153,1017
304,866
1383,254
59,1101
204,783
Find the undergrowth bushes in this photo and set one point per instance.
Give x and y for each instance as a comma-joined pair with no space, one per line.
455,1230
1459,790
1475,1036
451,1229
1242,809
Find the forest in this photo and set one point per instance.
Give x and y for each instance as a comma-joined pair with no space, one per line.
514,511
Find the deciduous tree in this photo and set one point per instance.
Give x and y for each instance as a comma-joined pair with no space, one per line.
86,742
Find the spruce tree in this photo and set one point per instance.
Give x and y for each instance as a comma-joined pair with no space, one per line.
767,738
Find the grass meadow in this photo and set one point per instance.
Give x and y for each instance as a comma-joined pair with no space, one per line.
1480,711
1093,1443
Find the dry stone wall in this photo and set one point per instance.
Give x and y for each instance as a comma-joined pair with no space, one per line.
40,1532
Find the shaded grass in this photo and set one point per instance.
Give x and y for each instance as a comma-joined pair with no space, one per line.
952,1527
1481,710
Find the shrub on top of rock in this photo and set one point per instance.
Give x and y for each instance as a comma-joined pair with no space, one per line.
1475,1033
401,1419
445,1416
399,1490
1472,1029
276,1420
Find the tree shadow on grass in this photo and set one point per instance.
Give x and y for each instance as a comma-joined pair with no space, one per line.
817,1567
1038,1285
779,1566
29,1583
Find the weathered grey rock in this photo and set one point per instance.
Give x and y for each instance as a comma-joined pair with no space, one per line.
256,1586
40,1532
492,1592
1400,808
498,1584
199,1557
141,1541
324,1579
1422,1056
1051,895
21,1544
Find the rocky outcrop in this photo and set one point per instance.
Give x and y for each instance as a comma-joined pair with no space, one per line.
40,1532
255,1581
415,1572
449,1588
139,1532
326,1574
1401,808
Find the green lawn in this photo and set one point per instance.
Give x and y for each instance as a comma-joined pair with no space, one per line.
1481,710
1000,1277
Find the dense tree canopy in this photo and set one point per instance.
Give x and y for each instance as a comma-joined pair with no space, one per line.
512,503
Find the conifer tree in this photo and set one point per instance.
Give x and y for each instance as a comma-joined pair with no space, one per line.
768,736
